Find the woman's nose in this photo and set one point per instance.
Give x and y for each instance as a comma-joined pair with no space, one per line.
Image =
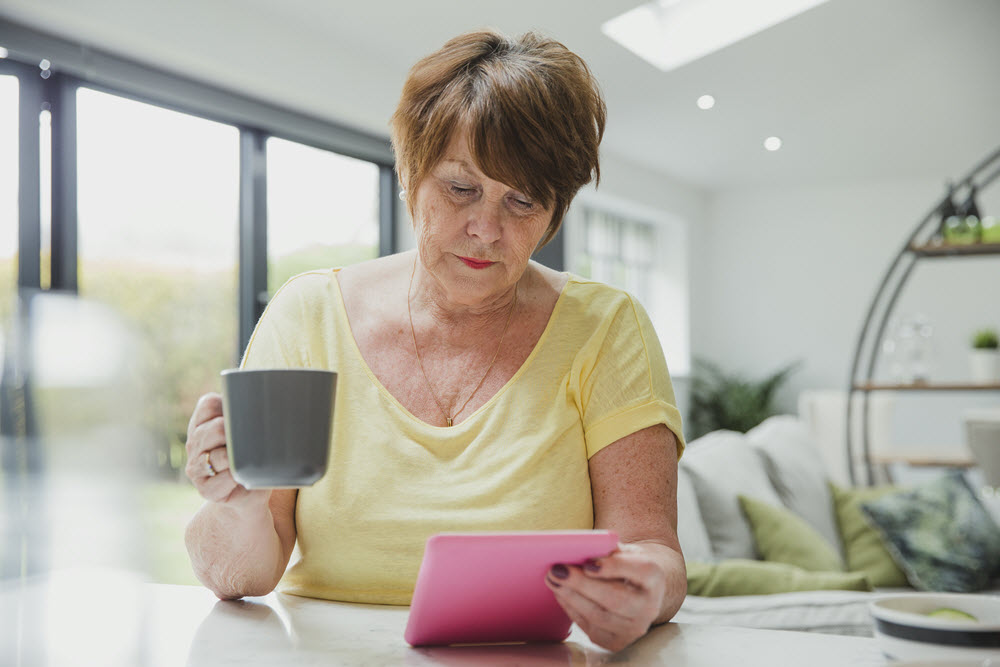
485,221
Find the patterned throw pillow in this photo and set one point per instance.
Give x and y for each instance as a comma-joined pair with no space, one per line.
863,545
939,534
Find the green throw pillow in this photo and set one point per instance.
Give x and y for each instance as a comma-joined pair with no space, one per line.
940,534
784,537
862,543
737,576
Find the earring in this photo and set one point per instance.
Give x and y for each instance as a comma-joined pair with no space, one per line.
402,195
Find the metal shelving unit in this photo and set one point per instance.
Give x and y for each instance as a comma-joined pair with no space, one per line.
923,243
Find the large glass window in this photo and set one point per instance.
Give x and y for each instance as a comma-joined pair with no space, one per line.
8,193
158,234
322,210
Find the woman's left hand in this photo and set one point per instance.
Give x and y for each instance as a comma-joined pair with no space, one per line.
614,599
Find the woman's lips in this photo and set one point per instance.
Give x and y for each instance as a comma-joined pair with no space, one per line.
476,263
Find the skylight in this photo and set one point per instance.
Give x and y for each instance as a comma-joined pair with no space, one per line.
671,33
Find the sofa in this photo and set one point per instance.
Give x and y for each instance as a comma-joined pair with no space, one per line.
771,543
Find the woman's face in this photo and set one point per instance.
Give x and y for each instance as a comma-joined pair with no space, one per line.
475,235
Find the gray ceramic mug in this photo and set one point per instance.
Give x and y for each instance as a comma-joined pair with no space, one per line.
278,424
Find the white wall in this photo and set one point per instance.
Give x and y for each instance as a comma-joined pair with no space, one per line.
785,274
643,186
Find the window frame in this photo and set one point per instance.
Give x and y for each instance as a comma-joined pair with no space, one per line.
29,240
74,65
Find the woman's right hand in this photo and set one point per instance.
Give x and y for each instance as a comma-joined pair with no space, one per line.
240,541
208,458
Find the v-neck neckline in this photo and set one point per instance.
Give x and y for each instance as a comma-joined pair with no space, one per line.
342,305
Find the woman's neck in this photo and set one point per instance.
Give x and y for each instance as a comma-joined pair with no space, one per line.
458,323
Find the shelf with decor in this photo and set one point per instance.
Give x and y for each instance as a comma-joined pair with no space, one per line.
949,230
924,457
948,250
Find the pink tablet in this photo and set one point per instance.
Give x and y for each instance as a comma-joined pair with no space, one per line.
490,587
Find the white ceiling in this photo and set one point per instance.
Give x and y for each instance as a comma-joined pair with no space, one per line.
859,90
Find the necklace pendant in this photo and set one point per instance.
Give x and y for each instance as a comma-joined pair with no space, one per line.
449,421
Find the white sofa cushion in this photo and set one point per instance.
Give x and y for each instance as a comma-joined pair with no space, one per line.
834,612
723,465
796,470
690,525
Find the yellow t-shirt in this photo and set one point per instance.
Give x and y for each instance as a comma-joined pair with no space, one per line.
519,462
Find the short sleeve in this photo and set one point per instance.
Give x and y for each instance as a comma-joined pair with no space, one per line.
292,331
627,386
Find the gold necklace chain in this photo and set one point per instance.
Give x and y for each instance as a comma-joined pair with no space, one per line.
510,315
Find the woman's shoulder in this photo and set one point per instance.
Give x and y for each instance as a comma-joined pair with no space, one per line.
375,274
374,292
595,297
365,286
315,284
306,287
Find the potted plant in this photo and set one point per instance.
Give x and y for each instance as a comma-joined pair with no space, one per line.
985,356
721,400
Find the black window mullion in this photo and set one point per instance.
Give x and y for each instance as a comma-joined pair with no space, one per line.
252,232
29,235
61,95
553,253
387,209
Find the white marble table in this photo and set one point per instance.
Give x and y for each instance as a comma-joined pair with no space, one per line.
100,618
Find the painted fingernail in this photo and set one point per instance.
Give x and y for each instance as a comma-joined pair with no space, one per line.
559,571
591,566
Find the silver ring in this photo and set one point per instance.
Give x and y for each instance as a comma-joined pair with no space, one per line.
209,469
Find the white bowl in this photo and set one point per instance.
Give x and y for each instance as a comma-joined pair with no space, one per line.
904,631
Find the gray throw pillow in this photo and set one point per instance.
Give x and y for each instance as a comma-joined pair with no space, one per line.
690,525
723,466
796,470
939,534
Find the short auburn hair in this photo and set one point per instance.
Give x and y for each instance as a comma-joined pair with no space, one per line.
534,113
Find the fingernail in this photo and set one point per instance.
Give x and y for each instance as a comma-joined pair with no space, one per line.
559,571
552,583
591,566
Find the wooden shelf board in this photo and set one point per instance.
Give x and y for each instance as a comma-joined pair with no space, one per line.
937,386
956,250
925,457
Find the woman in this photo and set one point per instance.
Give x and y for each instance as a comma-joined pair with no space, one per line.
477,390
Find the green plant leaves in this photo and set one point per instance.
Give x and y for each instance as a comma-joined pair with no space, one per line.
985,339
721,400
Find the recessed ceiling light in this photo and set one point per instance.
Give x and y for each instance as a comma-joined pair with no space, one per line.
772,143
706,102
3,52
671,33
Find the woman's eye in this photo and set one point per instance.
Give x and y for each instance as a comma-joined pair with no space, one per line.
461,189
522,204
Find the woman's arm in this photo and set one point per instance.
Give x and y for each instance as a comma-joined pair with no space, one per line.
241,548
240,540
616,599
